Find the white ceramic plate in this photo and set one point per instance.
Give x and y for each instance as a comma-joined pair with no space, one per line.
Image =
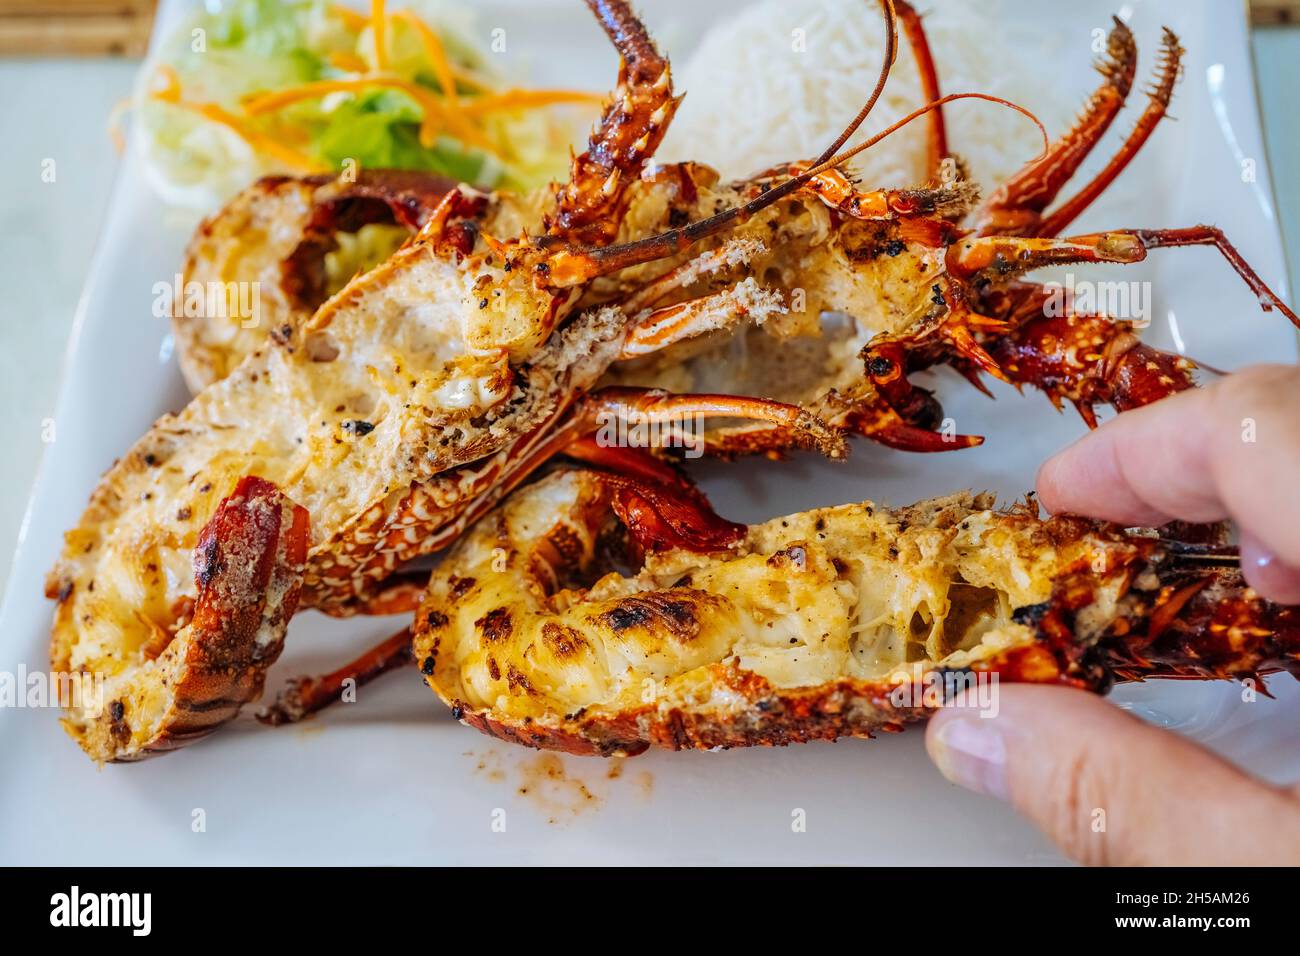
393,779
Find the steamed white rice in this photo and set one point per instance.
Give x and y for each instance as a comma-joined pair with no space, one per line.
779,81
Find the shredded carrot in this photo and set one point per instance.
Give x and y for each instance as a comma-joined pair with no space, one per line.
348,62
523,99
442,70
354,21
261,103
435,114
115,116
170,91
378,26
436,53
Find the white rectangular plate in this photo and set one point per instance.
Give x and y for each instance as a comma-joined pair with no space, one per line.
393,779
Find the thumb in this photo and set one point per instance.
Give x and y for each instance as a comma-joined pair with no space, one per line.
1109,789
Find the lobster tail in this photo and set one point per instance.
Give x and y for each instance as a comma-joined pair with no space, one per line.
195,675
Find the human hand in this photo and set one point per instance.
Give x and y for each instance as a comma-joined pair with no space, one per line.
1231,450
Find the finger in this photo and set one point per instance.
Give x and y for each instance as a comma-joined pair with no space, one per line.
1231,449
1109,789
1090,477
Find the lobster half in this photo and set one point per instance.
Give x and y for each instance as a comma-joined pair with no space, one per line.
597,614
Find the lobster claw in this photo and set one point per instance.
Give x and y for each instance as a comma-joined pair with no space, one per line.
905,437
661,517
900,415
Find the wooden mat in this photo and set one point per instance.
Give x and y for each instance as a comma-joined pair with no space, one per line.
75,27
121,27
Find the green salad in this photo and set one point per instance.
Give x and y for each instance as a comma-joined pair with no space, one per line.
305,86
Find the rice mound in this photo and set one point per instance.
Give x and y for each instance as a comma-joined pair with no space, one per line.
779,81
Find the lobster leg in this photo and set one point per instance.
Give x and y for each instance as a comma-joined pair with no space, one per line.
837,191
304,696
882,423
652,406
634,462
657,330
1213,236
732,254
1162,92
997,257
866,413
398,594
1016,207
937,135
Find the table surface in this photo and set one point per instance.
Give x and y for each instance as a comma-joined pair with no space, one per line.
57,110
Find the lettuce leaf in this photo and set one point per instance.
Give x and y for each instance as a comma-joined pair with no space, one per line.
382,131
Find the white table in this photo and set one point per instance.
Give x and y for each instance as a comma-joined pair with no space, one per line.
51,110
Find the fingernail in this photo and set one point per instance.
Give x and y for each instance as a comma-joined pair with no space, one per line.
1267,573
972,753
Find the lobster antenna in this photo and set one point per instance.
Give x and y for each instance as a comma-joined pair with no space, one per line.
891,54
867,144
588,263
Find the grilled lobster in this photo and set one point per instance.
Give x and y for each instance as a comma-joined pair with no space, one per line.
584,615
794,282
398,412
411,401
